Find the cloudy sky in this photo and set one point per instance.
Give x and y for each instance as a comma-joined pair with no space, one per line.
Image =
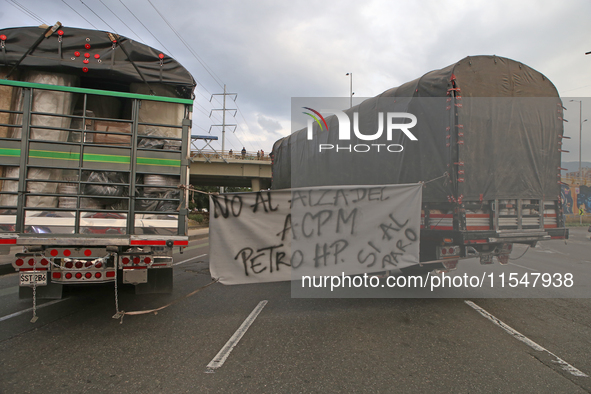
269,51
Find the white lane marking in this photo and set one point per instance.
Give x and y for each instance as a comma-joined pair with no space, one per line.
517,335
192,258
29,310
527,268
223,354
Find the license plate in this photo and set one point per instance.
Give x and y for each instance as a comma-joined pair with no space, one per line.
30,278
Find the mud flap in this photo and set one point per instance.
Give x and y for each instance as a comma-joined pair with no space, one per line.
159,282
52,291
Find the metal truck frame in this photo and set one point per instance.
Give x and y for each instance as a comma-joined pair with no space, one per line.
82,244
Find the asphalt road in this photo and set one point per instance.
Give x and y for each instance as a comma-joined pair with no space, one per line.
301,345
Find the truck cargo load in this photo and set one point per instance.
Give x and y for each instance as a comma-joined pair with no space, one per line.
488,147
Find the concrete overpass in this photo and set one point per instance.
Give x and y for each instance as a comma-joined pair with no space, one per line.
213,169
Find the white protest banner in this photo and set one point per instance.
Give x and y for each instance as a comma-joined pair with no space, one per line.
281,235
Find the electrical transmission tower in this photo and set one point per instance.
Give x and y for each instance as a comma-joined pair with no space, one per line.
224,109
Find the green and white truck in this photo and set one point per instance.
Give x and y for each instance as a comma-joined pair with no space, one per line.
94,159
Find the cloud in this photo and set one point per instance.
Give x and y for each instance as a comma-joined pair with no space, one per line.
269,52
269,125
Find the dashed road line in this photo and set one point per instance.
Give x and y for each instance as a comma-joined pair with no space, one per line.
29,310
517,335
223,354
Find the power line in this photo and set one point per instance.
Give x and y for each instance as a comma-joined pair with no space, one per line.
249,142
214,76
243,117
200,110
97,15
199,127
241,143
148,30
211,73
126,25
24,10
580,87
29,11
80,15
194,55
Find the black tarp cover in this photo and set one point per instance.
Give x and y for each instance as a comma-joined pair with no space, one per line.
503,134
47,57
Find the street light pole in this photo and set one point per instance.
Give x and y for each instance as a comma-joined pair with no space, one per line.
350,90
581,121
580,133
580,139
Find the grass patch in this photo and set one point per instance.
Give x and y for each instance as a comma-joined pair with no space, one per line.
198,217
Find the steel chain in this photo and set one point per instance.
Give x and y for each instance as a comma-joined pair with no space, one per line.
118,314
34,319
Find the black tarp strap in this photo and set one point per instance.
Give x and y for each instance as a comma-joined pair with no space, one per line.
59,46
136,68
46,34
3,47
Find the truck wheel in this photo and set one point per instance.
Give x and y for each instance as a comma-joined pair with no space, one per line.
159,282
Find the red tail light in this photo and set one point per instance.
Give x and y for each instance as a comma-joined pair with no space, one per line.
451,250
31,262
69,275
136,260
44,262
110,274
88,264
78,264
19,262
98,265
70,265
443,251
78,275
67,252
87,252
98,275
125,260
88,275
56,275
147,260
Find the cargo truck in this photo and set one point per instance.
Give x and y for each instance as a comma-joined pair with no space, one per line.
488,145
94,148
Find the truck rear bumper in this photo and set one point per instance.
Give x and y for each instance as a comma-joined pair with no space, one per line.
493,237
133,240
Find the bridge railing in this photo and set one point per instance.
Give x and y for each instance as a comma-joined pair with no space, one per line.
210,154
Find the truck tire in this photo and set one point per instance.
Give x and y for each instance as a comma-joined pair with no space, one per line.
159,282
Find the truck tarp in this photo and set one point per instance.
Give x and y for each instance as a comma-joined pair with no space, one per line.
107,61
488,128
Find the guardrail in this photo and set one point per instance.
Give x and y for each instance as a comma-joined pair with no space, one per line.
210,154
